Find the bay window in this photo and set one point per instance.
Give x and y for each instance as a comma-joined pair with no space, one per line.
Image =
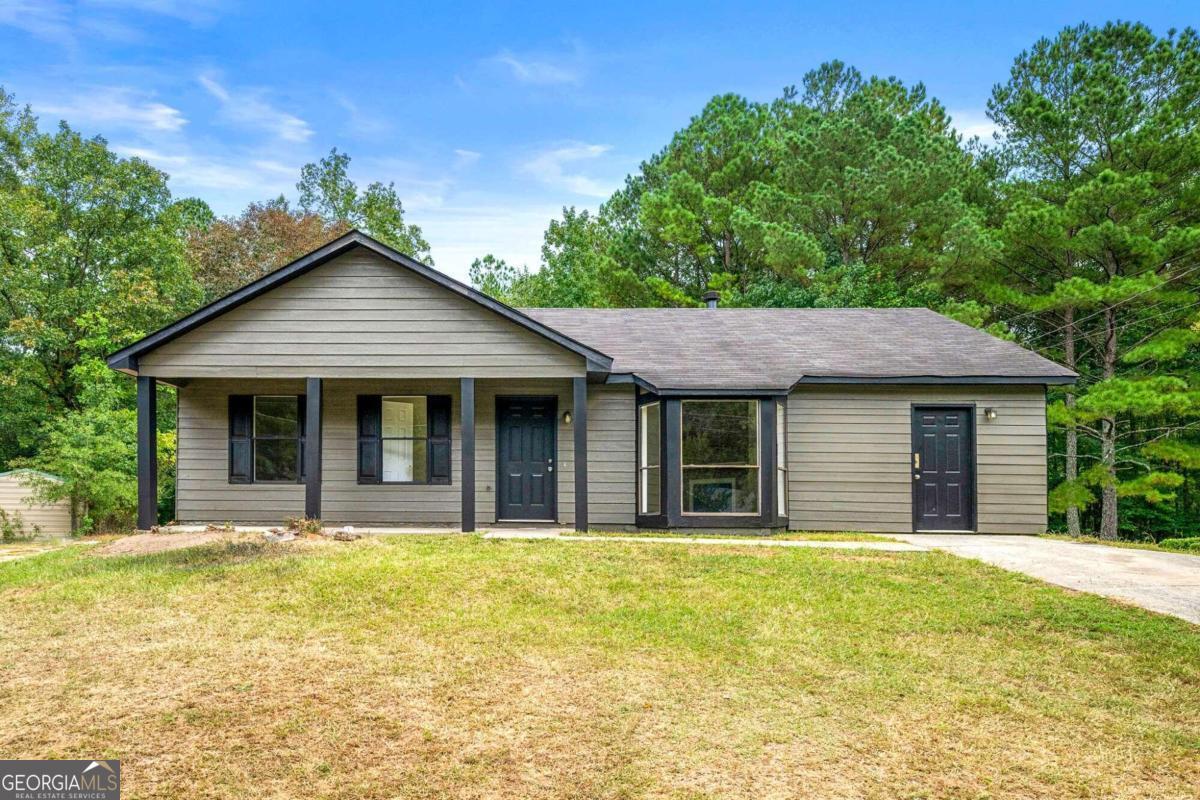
649,456
719,456
781,473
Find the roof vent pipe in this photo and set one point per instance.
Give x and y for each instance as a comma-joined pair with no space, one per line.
711,298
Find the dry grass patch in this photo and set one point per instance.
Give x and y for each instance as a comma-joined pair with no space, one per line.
459,667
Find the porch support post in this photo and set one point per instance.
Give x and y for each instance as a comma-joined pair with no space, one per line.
466,411
581,453
147,452
312,448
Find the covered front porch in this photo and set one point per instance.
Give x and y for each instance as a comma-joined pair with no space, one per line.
453,473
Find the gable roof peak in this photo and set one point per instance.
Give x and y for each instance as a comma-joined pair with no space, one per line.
125,359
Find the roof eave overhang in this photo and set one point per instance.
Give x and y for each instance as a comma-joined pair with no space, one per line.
125,359
939,379
762,391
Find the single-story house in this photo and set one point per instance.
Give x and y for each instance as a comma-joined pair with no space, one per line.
360,386
17,499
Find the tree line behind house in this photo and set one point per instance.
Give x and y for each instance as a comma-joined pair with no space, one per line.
1074,232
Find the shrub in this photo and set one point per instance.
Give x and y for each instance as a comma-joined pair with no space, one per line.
304,525
12,527
1187,544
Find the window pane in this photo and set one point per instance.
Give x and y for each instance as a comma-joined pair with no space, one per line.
780,430
651,444
404,417
781,492
276,459
651,491
404,460
720,490
720,432
276,416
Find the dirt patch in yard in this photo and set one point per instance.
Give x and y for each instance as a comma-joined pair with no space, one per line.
142,544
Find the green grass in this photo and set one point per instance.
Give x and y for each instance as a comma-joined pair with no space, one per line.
795,536
1146,545
462,667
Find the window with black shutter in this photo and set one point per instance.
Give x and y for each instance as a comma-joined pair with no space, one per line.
404,439
266,438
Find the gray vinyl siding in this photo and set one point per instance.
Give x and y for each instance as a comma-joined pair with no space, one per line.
344,501
360,316
204,494
849,450
612,456
486,393
53,519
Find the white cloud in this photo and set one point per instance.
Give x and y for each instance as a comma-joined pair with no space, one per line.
44,19
116,107
548,167
535,71
246,107
465,158
111,20
471,228
358,122
192,172
974,123
196,12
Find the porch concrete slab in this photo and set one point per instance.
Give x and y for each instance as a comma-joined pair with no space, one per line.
542,534
1165,582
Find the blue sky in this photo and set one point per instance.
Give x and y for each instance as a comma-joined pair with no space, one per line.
489,118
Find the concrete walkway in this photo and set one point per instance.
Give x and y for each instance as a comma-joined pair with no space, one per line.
1164,582
744,542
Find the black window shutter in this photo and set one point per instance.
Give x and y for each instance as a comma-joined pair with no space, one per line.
439,438
370,451
241,444
302,417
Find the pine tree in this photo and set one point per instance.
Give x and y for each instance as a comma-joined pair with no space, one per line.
1100,235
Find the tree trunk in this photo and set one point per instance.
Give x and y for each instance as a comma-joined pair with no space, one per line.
1071,472
1108,454
728,254
1108,436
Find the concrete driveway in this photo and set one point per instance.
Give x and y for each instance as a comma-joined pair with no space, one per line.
1164,582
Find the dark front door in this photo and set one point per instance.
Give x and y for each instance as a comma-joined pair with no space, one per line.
525,464
943,468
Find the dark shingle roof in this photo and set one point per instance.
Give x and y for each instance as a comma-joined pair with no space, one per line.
771,349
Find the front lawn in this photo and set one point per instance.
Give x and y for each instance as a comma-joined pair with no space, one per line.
455,666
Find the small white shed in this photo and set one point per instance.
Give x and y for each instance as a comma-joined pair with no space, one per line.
16,496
